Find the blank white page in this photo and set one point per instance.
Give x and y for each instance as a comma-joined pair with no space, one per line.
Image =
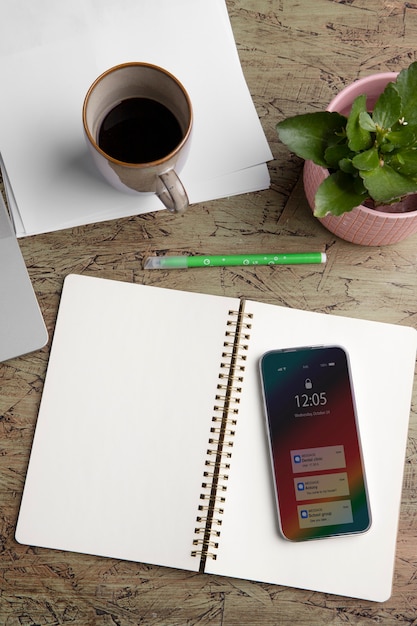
120,444
382,360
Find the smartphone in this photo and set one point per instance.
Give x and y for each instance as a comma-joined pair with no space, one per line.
315,450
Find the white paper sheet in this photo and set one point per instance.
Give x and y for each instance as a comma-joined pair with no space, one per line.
49,55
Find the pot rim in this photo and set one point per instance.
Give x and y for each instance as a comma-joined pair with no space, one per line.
357,84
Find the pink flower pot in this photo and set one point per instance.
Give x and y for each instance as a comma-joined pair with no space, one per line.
361,225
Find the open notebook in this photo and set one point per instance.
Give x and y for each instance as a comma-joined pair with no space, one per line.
137,421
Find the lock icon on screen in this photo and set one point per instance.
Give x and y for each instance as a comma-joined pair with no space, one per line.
308,384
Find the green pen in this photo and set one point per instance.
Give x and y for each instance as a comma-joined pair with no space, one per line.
225,260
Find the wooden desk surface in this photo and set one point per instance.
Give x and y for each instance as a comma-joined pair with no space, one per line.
296,56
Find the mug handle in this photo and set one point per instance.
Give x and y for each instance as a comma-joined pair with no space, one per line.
171,192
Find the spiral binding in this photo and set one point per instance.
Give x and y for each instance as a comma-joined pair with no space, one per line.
222,432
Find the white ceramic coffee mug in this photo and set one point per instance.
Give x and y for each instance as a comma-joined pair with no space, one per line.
159,175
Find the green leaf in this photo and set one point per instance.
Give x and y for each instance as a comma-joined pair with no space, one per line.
387,109
386,147
358,137
385,184
406,86
367,160
402,136
334,154
360,188
366,122
308,135
338,194
405,163
346,166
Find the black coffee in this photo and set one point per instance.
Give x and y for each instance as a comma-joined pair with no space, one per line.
139,130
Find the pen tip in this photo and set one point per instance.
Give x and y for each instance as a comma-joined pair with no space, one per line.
152,263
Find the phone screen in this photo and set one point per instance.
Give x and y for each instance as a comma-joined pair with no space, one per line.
314,443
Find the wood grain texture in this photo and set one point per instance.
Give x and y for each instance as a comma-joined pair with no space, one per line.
296,55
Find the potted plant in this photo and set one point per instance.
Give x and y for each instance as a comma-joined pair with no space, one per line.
360,175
